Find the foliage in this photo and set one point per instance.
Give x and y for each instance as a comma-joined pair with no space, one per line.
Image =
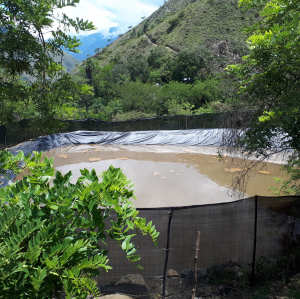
177,108
66,112
49,234
23,25
199,22
131,115
155,58
269,82
137,96
24,51
173,23
9,163
188,63
138,68
113,108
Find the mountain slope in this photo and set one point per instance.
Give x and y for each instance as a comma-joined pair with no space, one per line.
68,62
181,24
89,44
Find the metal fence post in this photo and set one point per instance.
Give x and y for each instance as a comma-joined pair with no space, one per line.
287,271
186,122
5,134
254,243
167,253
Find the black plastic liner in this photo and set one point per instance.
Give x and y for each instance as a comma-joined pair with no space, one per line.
29,128
200,137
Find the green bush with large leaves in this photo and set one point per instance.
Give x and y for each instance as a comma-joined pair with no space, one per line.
50,229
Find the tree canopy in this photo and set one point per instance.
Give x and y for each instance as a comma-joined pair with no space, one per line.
24,50
23,47
269,80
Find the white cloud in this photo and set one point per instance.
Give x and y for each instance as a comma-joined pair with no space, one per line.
113,13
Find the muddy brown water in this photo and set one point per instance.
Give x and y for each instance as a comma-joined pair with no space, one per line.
166,176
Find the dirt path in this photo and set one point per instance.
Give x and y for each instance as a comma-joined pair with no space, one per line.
153,44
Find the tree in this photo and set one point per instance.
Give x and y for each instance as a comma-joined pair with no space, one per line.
188,63
86,97
49,234
24,49
269,81
155,58
138,68
103,82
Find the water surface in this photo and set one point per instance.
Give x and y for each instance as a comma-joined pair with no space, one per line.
165,176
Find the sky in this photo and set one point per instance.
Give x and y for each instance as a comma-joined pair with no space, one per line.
106,14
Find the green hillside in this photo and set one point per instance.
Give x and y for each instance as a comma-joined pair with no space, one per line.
68,61
182,42
181,24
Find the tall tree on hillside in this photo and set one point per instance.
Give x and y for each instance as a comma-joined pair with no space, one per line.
269,81
188,64
138,68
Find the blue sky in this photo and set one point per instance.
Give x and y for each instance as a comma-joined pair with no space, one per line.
112,13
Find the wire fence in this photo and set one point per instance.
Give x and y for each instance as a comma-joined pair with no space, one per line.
239,231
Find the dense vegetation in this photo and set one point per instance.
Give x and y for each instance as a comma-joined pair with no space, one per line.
41,253
119,84
50,234
268,80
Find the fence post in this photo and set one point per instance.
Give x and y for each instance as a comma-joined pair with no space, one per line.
5,130
254,243
167,253
287,271
195,264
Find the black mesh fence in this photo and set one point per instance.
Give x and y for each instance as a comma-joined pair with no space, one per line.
29,129
227,235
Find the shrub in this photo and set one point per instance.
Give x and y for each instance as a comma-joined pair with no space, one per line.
173,23
155,77
181,15
131,115
159,20
140,33
49,234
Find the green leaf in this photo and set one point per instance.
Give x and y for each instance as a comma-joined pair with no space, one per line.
130,224
124,245
134,258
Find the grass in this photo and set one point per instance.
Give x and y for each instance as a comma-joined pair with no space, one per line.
181,24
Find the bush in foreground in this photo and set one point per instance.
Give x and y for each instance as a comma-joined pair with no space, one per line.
49,234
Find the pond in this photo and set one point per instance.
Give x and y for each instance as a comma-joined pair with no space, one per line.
165,176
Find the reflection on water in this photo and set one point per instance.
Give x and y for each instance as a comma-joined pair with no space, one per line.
165,176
